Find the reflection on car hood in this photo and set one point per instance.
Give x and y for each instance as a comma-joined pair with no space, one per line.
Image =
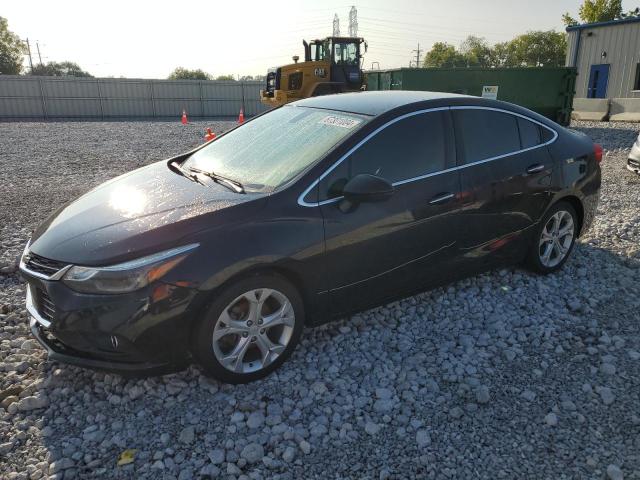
136,212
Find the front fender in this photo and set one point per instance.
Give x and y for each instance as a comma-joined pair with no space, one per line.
291,244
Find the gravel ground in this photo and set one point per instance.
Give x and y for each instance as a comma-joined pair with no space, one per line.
504,375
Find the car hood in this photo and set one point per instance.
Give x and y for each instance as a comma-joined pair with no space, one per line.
141,212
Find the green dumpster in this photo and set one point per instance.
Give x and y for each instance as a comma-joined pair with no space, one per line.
546,90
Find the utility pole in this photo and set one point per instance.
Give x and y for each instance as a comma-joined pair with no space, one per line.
39,57
336,26
30,59
353,22
417,56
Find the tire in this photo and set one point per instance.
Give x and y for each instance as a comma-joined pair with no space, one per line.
245,348
537,260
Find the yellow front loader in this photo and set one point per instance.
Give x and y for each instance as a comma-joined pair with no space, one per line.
331,65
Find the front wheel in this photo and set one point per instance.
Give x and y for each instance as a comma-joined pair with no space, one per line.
250,329
554,240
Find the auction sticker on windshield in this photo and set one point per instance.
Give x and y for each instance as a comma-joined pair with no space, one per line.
336,121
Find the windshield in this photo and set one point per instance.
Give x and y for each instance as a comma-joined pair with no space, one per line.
273,148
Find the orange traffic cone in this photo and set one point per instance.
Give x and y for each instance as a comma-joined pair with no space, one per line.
209,135
184,117
241,116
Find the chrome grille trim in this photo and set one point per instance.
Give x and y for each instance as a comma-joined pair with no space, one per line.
46,307
56,272
33,311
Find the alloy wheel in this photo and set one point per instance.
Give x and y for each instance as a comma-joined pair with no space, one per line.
253,330
556,239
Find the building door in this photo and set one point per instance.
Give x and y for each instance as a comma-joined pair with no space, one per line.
598,80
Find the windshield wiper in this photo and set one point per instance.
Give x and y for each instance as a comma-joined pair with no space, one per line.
232,184
175,166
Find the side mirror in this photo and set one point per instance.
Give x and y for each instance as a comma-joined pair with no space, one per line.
367,188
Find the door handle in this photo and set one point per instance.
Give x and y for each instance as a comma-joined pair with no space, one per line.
441,198
535,168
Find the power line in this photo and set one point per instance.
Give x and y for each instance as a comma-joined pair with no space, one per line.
423,28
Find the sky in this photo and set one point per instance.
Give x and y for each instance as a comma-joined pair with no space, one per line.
148,39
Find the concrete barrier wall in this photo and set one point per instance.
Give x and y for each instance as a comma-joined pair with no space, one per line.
625,110
594,109
24,96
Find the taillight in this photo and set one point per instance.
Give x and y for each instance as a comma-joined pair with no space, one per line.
597,152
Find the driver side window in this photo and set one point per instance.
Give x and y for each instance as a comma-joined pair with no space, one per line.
408,148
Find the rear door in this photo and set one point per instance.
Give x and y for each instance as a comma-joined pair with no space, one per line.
379,250
506,180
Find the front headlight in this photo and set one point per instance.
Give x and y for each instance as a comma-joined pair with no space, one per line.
128,276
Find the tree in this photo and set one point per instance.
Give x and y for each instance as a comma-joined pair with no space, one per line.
12,50
253,77
502,55
225,77
533,49
443,55
537,49
592,11
60,69
186,74
477,52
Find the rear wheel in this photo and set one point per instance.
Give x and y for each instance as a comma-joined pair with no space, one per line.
555,239
251,328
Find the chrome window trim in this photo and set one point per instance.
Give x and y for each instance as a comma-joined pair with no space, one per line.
31,308
304,203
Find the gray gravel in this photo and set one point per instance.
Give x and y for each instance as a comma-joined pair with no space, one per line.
504,375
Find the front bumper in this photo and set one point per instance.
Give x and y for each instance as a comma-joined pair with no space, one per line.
277,98
144,333
59,352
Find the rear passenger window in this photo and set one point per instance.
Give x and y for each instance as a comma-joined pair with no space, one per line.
485,134
409,148
529,133
547,135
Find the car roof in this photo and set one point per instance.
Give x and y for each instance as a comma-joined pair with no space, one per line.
374,103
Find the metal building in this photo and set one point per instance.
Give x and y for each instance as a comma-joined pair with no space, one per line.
607,57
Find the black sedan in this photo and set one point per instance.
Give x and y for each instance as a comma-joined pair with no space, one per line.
311,211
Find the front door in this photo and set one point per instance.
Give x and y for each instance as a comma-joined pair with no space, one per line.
346,64
598,80
379,250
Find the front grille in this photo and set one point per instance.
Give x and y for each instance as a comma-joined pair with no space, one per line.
42,265
633,163
45,305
